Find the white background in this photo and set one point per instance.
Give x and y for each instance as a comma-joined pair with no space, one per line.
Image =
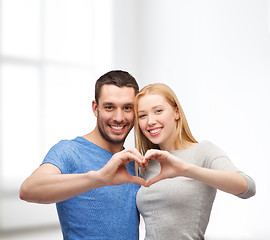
214,54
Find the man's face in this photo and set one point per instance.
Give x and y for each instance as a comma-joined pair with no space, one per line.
115,113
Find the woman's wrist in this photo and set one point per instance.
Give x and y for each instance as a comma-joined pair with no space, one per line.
188,170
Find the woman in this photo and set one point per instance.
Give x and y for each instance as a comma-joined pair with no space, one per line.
179,206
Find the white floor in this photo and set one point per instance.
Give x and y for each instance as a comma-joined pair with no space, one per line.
37,234
55,234
40,234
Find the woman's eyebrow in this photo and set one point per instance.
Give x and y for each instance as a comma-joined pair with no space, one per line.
151,108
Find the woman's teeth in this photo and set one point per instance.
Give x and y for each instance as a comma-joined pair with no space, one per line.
155,130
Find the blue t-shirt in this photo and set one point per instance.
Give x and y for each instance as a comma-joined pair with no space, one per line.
104,213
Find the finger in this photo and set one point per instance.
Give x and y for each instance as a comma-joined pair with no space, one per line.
129,156
139,161
144,163
154,180
153,154
148,154
135,152
138,180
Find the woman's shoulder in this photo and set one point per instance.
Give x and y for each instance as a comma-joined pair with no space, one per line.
210,147
203,145
204,148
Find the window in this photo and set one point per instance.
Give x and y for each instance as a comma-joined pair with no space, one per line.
50,58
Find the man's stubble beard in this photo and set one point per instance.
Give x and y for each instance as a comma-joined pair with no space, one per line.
107,137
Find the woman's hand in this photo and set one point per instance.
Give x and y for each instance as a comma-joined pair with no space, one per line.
171,166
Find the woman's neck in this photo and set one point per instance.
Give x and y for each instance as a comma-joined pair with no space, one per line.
179,146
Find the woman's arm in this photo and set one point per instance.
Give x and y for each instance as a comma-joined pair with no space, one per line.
172,166
230,182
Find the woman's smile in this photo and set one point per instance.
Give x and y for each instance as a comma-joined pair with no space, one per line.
155,131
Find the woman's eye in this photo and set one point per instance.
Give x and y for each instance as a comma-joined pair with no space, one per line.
142,115
159,110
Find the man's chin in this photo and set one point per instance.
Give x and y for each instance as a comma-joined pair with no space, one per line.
113,138
117,140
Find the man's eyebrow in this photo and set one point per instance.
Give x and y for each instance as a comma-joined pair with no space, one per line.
107,103
112,104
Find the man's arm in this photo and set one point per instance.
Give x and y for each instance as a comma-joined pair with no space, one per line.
48,185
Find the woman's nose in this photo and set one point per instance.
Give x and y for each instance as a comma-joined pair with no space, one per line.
151,120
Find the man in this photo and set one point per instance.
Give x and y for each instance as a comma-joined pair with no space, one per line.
91,178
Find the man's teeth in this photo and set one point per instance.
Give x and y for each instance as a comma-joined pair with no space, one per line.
155,130
117,127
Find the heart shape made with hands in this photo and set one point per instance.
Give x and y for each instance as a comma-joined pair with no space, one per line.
145,164
115,172
171,166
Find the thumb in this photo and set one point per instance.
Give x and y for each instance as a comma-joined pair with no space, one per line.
154,180
138,180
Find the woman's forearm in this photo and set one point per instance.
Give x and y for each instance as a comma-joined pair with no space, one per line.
230,182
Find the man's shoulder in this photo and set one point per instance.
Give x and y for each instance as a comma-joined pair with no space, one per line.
65,143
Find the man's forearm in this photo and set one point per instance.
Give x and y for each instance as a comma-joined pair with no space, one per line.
52,188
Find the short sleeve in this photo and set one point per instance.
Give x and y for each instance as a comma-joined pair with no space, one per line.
58,156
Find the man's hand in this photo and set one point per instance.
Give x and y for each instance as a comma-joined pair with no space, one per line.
115,172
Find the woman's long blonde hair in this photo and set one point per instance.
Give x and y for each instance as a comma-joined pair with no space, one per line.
183,133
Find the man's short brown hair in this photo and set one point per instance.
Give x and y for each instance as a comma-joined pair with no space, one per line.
118,78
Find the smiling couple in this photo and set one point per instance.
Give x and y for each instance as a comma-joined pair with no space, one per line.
92,179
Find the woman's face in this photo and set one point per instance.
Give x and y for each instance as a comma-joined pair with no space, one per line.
157,120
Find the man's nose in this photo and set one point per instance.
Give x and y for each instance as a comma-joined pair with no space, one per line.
119,115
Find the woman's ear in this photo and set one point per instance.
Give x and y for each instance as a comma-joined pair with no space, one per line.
94,107
177,114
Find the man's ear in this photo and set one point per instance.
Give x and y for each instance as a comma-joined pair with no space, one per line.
94,107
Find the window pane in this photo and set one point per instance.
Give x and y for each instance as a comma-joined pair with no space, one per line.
20,34
68,96
69,30
20,121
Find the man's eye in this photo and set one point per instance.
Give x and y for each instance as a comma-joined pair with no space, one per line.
128,108
108,107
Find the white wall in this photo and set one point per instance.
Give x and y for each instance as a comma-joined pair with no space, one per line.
216,56
51,53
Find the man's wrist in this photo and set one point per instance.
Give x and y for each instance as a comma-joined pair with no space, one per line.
95,179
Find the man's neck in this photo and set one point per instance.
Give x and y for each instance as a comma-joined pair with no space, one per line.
96,138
